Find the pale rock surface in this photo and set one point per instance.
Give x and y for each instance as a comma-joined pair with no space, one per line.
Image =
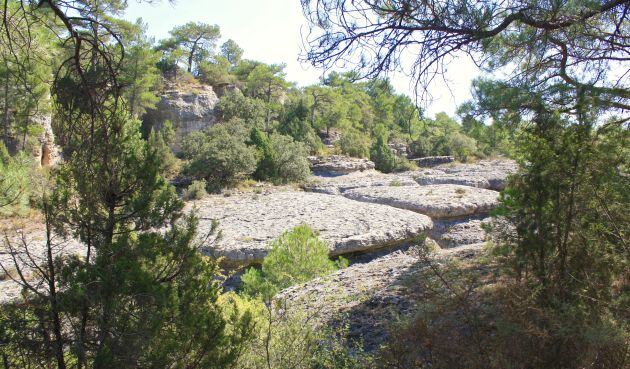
338,184
460,232
339,164
436,201
188,108
490,174
249,221
367,297
26,251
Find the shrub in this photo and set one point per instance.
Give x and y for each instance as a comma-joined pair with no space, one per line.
16,173
219,155
382,156
280,159
196,190
160,141
291,164
355,143
296,256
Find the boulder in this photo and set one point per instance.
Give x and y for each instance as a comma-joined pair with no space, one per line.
249,221
336,185
189,108
339,164
436,201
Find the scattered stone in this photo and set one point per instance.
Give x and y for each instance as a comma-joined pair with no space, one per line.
339,164
336,185
431,161
249,221
436,201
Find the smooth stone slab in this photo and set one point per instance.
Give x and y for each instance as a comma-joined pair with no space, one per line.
335,185
436,201
248,222
495,172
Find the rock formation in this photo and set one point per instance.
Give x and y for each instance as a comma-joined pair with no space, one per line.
338,164
436,201
336,185
189,109
248,222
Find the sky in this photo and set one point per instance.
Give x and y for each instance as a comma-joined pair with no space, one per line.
271,31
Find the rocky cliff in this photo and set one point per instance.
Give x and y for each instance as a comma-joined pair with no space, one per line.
189,108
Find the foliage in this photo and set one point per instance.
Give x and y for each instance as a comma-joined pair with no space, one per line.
160,141
15,182
280,159
354,143
296,256
219,155
196,190
236,105
290,162
288,338
380,153
196,40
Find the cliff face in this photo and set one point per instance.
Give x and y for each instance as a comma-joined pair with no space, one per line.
48,153
189,109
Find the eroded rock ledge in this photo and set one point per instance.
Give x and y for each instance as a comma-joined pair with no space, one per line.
249,221
436,201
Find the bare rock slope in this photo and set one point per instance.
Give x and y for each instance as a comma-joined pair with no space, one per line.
436,201
249,221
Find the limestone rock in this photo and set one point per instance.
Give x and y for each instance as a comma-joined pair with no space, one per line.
431,161
367,297
495,172
460,232
249,221
436,201
339,164
338,184
189,109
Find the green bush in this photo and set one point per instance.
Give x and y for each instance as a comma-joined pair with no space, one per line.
196,190
280,159
355,143
16,175
219,155
295,257
382,156
291,164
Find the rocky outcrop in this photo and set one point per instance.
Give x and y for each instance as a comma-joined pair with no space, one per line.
189,109
490,174
249,221
436,201
367,297
338,164
460,232
47,153
335,185
431,161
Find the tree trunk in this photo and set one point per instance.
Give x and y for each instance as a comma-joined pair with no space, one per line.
5,113
54,309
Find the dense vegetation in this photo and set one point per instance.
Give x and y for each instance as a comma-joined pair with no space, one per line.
141,296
